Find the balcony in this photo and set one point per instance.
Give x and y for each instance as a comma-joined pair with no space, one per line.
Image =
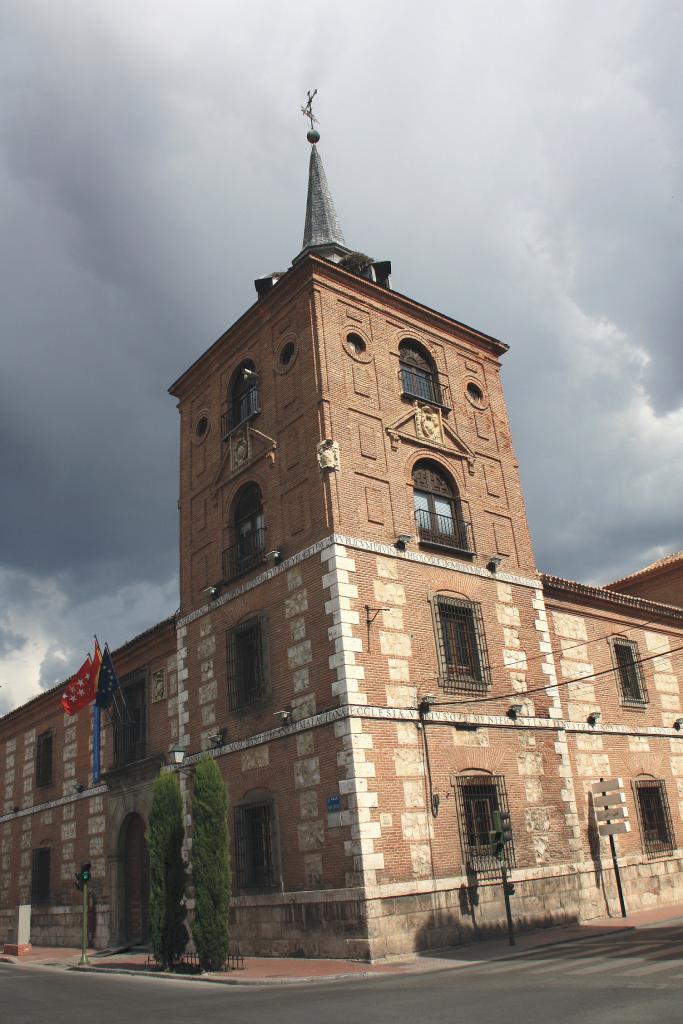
441,531
248,552
243,408
130,743
431,388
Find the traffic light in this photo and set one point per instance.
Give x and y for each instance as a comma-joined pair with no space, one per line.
496,843
500,834
506,826
83,876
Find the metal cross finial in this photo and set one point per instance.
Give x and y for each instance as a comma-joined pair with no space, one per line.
307,111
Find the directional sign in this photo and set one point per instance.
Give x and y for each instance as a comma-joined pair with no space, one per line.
607,785
611,813
613,828
609,799
611,818
609,807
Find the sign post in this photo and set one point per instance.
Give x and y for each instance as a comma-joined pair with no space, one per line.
611,817
500,834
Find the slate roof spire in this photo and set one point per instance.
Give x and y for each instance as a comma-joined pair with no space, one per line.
322,232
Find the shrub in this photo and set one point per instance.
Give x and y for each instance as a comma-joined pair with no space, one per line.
210,865
165,840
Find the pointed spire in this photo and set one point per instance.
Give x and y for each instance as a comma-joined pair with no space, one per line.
322,232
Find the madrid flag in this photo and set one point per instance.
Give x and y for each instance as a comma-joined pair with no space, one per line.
80,690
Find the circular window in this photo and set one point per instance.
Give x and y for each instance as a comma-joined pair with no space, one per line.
201,427
287,353
475,394
356,344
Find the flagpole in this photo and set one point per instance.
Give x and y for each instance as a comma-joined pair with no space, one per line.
96,734
96,745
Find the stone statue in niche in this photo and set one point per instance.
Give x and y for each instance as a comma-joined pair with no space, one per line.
428,423
158,685
328,455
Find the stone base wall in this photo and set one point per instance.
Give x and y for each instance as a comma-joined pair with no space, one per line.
331,923
360,925
454,914
59,926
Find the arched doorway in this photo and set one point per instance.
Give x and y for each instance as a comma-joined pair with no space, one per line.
135,880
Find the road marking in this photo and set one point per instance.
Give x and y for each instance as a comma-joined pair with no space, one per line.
667,965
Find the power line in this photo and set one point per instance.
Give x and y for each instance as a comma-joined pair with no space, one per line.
580,643
543,689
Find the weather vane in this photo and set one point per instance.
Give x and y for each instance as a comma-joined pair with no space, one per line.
307,110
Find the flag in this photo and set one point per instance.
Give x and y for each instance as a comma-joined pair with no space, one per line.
107,682
96,664
80,689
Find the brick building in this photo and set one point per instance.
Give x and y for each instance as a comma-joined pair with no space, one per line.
367,648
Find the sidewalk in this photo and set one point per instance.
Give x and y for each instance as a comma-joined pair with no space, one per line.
270,971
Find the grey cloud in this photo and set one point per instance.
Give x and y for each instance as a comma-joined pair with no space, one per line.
10,640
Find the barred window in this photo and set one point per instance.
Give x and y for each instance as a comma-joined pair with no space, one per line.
654,816
628,671
478,796
256,846
461,643
44,748
40,875
247,663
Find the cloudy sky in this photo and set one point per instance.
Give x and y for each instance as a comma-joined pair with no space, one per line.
519,162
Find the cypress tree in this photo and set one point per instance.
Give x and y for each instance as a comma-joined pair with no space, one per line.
210,865
165,840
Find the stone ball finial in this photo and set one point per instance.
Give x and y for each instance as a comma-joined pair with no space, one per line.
313,136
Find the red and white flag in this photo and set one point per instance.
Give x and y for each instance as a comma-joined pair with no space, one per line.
80,690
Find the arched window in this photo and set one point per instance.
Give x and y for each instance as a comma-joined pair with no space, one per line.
249,531
437,508
419,378
244,395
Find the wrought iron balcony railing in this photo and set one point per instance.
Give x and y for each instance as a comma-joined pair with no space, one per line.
444,531
130,743
242,409
431,388
245,554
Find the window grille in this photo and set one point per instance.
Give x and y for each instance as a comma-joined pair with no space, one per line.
40,875
255,861
130,726
478,796
247,664
44,749
628,672
461,642
654,816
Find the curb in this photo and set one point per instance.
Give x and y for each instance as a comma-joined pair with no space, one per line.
208,979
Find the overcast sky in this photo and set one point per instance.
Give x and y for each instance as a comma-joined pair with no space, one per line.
519,163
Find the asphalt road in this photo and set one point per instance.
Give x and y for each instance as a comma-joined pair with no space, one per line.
630,977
